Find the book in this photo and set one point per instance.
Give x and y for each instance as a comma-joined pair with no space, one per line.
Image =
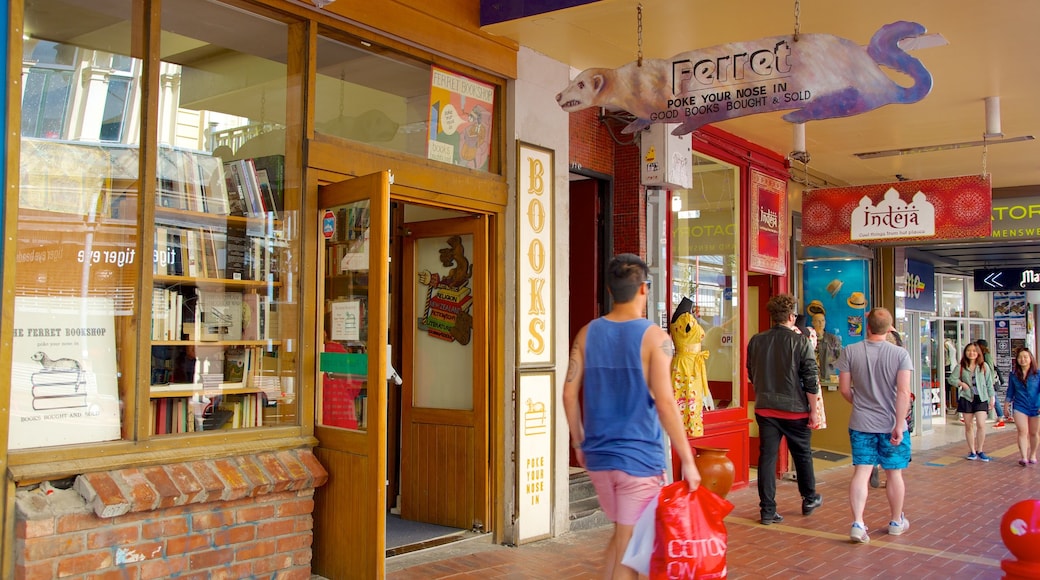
236,198
265,189
251,314
236,361
237,244
220,315
246,172
274,166
212,184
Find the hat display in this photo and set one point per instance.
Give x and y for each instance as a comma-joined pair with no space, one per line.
815,307
857,300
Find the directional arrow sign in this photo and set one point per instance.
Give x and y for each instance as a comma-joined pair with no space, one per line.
1007,279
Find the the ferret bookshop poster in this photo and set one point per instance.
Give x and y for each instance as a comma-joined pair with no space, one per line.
63,372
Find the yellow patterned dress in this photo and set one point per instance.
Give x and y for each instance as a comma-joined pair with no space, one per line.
689,377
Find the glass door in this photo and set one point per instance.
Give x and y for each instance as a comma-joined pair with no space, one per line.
351,394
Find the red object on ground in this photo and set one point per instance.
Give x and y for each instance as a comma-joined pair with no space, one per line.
1020,532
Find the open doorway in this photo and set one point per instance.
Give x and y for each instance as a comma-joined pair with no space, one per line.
438,483
591,247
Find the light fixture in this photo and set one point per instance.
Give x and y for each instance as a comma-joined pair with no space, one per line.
992,118
676,202
322,3
798,152
992,136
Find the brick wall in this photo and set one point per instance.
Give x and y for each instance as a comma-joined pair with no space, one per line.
590,145
592,148
239,517
629,203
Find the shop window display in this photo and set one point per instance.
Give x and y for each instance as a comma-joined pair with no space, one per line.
705,271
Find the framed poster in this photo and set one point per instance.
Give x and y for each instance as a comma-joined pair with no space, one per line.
461,111
535,255
768,227
64,386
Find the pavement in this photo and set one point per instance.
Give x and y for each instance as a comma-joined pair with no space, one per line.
954,506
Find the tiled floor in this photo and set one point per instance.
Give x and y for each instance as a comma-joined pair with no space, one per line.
955,507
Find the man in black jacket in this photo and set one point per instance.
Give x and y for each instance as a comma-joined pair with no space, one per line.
782,367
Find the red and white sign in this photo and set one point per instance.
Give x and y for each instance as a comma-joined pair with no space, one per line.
906,211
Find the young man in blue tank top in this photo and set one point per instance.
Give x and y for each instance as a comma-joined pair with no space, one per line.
622,362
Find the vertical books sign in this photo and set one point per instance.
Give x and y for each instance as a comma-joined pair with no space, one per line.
768,224
534,456
460,120
63,372
535,183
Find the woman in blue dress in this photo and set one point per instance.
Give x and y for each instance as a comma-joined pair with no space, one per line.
1023,396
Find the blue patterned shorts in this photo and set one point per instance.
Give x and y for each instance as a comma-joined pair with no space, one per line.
875,449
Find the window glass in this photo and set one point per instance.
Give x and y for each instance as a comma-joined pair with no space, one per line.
74,311
952,296
373,95
224,301
705,268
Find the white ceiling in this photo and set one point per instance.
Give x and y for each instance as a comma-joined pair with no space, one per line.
992,51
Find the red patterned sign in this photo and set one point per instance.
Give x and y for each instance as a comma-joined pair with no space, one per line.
768,224
928,210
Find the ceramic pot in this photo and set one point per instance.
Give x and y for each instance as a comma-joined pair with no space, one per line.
716,469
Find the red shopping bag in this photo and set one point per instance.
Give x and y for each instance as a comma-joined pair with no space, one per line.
690,541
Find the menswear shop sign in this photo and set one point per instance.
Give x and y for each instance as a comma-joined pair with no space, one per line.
1016,218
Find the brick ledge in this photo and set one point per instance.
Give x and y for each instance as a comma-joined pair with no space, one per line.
118,492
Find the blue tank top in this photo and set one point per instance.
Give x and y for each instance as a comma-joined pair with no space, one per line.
622,430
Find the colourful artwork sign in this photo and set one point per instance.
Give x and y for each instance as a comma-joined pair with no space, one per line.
768,224
448,311
929,210
819,76
460,120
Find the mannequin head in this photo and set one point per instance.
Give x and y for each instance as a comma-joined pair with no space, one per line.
819,322
685,305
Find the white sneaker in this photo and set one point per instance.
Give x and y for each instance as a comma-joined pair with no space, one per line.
897,528
858,533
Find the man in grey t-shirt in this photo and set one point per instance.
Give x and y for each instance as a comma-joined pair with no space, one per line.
874,376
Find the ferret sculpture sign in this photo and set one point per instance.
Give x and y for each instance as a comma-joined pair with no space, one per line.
820,76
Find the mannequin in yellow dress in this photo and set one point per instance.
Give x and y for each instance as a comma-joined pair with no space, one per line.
689,377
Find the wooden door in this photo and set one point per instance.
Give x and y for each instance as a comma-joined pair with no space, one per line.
444,355
351,393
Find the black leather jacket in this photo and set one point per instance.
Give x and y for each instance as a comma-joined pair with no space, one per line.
782,367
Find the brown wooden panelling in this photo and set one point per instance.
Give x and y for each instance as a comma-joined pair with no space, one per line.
453,30
469,188
353,529
439,482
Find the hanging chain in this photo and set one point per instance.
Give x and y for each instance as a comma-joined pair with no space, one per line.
797,19
639,33
985,156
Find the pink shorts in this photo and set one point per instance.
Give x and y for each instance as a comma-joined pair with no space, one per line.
622,496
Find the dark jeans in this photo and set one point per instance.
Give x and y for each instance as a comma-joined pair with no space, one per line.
799,439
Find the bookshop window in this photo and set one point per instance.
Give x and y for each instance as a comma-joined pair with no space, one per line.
370,94
224,299
76,263
705,270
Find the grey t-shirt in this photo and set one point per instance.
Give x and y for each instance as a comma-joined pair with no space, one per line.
873,390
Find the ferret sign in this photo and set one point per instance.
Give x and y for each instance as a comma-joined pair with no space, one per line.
63,372
820,76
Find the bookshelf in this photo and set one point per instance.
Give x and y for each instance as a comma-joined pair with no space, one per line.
218,281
